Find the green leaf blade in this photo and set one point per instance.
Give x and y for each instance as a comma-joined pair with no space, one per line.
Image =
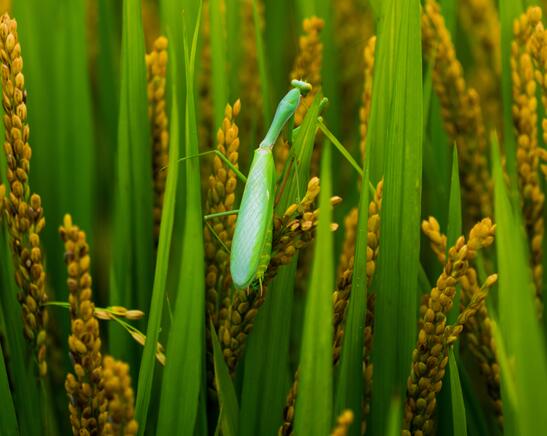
146,373
395,138
313,413
350,388
229,409
524,387
185,348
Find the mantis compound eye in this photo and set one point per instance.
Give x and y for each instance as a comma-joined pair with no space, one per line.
301,85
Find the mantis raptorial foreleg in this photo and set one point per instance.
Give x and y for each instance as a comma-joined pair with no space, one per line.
238,173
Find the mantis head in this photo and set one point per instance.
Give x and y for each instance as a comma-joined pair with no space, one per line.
303,87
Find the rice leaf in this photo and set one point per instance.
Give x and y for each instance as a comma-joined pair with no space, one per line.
306,8
520,334
459,421
330,73
25,394
265,380
146,373
8,420
131,274
313,413
474,410
394,418
395,138
183,370
218,60
108,85
229,409
350,383
377,6
76,170
276,43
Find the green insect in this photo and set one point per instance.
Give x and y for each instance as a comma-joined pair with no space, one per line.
252,242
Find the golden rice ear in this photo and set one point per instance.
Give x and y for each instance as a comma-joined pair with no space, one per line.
528,58
156,69
24,214
430,356
85,387
461,112
308,63
120,397
366,99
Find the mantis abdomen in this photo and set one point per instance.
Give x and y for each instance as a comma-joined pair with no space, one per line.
253,233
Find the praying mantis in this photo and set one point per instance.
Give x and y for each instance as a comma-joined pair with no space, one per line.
252,241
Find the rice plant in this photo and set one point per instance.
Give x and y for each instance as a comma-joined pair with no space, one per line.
259,217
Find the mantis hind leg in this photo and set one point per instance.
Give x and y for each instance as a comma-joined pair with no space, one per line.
265,257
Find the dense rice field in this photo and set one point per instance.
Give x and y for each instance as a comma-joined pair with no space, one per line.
377,266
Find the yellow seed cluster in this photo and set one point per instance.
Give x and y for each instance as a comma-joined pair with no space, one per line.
353,25
364,110
293,231
528,63
342,292
87,405
308,63
286,428
461,112
477,336
340,296
22,208
248,71
140,338
430,357
345,262
478,339
343,422
437,240
373,245
118,312
480,20
120,397
156,63
221,198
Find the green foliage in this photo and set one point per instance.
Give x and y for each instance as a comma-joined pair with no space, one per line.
314,400
395,136
183,370
524,387
85,73
146,373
